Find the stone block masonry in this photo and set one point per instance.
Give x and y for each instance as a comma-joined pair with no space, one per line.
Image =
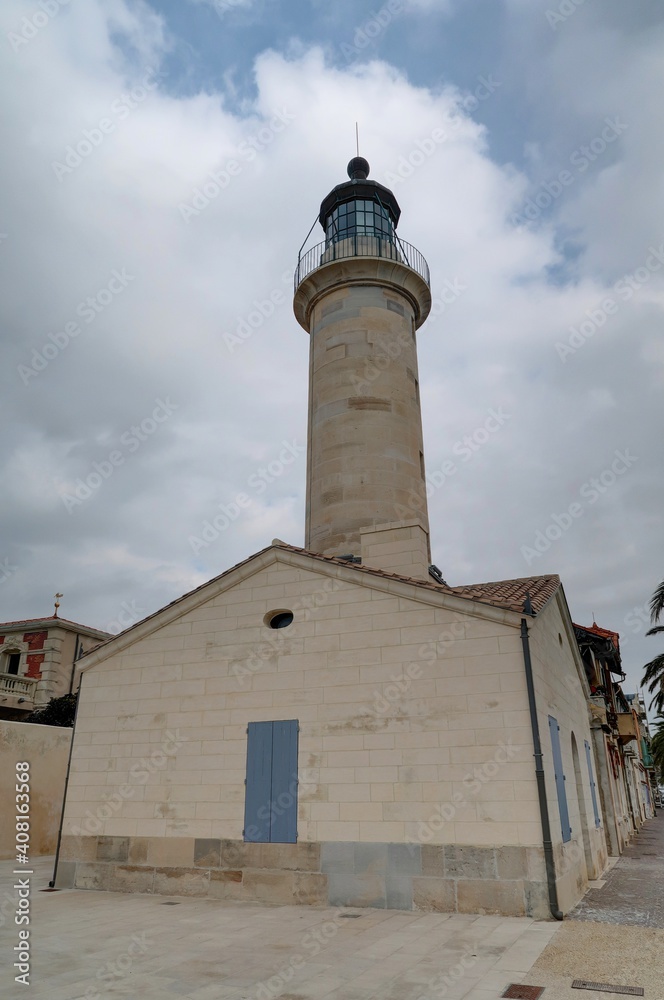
444,879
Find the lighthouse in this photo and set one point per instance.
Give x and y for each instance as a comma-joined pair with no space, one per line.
361,294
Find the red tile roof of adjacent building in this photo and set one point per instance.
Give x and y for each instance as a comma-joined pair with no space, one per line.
603,633
50,620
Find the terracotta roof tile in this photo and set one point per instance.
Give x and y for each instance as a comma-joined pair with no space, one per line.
603,633
507,594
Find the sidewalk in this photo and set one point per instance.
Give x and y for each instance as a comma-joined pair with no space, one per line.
98,945
615,935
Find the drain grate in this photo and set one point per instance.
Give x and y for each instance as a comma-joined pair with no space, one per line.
350,916
170,903
517,991
630,991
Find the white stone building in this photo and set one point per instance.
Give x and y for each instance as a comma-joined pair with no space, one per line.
335,724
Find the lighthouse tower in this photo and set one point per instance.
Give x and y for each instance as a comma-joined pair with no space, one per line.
361,294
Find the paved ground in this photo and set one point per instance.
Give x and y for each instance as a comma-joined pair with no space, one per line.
615,933
634,889
93,945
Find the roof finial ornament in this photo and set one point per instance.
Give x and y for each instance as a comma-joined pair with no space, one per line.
358,169
57,604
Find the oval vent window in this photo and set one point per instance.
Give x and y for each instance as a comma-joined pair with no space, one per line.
279,619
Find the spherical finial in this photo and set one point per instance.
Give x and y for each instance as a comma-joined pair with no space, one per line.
358,169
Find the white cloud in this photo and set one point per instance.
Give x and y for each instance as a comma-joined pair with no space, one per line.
194,281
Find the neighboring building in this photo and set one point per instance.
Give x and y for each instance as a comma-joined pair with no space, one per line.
647,774
38,661
621,744
336,724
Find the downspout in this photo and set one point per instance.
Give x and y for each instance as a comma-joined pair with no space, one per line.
556,912
73,666
64,797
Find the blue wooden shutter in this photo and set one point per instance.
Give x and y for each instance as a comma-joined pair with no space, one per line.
554,730
593,791
259,783
270,810
284,782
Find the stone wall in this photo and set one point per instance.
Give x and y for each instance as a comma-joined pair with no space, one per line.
46,749
448,879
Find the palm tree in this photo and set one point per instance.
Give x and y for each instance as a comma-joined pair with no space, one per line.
657,747
653,672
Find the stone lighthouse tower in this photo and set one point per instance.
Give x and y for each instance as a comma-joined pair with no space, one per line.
361,295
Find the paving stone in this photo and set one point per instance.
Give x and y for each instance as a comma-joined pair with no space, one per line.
632,893
224,949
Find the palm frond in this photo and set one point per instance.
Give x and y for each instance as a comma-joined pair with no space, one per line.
655,630
657,603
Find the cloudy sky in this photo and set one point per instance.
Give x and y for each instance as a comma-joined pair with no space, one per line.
163,163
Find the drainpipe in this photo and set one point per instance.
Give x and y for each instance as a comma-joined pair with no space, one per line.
556,912
64,797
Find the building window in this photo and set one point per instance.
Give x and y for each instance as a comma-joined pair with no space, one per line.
12,662
593,788
554,730
270,808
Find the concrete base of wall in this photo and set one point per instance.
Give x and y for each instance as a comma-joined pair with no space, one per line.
449,878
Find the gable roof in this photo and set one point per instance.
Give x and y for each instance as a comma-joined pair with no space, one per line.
505,595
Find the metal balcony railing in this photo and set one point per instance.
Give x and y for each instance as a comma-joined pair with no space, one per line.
23,687
357,245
